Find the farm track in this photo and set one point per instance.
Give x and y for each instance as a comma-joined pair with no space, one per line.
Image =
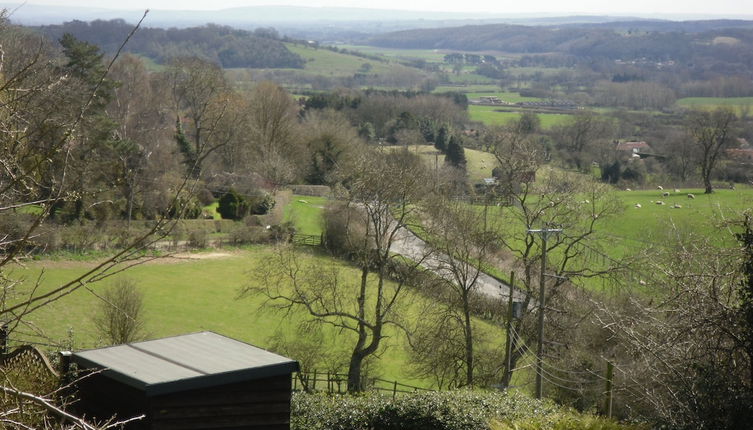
411,246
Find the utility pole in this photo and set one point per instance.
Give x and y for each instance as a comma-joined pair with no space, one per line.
544,232
508,343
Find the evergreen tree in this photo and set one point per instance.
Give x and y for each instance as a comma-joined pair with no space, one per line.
455,154
441,139
233,205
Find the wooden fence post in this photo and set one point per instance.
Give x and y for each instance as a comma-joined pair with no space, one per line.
608,402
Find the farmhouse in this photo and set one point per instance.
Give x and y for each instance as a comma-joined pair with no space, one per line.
194,381
635,149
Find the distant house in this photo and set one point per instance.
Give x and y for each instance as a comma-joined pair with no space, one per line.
632,148
741,155
195,381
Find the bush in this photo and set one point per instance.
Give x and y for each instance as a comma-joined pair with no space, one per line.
233,205
439,410
245,234
198,238
260,205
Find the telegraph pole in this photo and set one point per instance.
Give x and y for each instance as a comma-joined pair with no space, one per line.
544,232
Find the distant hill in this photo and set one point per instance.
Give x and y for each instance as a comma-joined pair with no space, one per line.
220,44
654,40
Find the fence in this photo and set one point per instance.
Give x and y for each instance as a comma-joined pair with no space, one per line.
338,383
307,239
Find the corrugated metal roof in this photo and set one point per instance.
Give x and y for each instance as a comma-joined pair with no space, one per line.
185,362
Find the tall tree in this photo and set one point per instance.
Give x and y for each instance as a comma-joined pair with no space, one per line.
199,92
711,131
462,243
381,192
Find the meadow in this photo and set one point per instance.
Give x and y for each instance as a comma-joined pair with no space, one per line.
737,103
200,291
493,115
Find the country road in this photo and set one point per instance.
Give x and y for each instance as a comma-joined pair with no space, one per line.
413,247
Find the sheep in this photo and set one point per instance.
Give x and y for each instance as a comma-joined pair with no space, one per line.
659,187
677,190
628,189
638,205
665,194
659,202
677,206
691,196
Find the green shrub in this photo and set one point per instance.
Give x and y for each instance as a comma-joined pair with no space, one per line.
233,205
440,410
260,205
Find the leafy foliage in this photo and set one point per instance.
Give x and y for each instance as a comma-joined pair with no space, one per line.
446,410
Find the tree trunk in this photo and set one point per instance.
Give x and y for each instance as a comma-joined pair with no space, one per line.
468,341
354,372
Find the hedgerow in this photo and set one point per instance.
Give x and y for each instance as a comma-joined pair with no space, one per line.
446,410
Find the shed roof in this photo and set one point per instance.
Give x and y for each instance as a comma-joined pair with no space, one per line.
185,362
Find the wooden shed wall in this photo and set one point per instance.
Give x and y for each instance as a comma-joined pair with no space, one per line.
100,398
261,403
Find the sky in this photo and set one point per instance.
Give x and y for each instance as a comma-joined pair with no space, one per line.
728,8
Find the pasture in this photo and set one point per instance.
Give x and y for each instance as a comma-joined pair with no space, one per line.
736,103
493,115
305,213
479,163
199,291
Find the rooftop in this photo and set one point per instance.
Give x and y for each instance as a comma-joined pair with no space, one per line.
185,362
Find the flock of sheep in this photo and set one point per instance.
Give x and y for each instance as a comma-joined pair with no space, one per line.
664,194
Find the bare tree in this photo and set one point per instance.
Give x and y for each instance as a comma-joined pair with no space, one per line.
711,132
542,198
463,242
381,189
120,317
686,358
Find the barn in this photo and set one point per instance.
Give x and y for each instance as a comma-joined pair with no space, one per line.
195,381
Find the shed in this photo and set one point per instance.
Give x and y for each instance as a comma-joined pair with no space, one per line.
195,381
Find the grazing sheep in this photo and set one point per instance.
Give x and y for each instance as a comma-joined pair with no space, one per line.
659,187
628,189
691,196
638,205
642,282
659,202
676,206
677,190
665,194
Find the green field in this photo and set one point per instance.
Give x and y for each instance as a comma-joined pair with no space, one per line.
479,163
305,212
493,115
200,292
650,224
736,103
433,55
328,63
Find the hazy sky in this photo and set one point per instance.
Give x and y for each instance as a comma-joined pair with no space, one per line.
729,8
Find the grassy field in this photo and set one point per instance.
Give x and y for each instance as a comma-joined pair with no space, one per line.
200,292
479,163
708,103
491,115
305,213
433,55
650,224
328,63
